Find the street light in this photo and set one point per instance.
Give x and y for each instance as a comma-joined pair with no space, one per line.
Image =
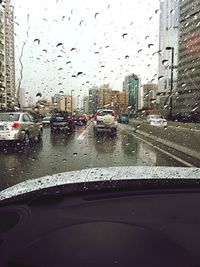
172,73
72,101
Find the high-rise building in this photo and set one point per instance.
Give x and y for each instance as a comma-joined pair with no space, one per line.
2,57
9,50
86,104
150,93
186,102
102,92
168,37
131,85
64,103
7,55
93,99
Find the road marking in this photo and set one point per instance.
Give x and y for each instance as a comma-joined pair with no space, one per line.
165,152
81,136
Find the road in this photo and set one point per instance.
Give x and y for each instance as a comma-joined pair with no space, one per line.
59,153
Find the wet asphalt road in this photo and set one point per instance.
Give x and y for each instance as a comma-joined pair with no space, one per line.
59,153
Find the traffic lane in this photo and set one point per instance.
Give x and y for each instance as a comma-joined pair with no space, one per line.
59,153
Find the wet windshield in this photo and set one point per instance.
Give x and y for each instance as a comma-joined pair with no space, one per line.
75,61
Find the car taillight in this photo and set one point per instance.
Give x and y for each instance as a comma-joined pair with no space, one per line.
16,125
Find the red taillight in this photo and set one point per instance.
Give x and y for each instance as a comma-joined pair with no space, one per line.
16,125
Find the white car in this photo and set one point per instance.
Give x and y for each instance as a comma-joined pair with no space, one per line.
19,127
105,121
156,120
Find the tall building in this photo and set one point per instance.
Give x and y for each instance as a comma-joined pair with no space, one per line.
102,92
186,102
7,55
93,99
150,93
131,85
2,57
86,104
168,37
64,103
9,50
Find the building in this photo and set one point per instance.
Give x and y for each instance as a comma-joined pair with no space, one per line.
7,55
118,101
131,85
86,104
9,51
150,93
93,100
65,103
168,37
186,102
102,93
2,58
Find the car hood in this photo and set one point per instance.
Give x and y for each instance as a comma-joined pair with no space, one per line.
102,178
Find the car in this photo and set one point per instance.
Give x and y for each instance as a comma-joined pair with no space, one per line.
46,121
105,121
80,119
19,127
156,120
124,118
62,121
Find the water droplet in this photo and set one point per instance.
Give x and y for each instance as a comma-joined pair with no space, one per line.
149,45
125,34
96,15
79,73
164,62
160,78
37,41
59,44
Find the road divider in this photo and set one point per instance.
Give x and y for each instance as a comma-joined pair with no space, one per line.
176,137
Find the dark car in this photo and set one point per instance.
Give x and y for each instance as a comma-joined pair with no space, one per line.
62,121
80,119
124,118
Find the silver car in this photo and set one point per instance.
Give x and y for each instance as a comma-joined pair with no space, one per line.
156,120
19,127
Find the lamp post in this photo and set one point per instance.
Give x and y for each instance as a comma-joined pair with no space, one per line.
72,101
171,85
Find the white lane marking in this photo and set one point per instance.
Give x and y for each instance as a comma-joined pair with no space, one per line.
81,136
165,152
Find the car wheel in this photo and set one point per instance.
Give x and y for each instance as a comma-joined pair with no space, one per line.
39,137
114,131
26,140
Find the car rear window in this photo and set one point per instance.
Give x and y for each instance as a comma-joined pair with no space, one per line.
155,117
105,112
9,117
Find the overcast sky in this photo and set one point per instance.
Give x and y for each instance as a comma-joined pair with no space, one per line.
109,39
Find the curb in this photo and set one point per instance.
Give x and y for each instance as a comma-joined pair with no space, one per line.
190,152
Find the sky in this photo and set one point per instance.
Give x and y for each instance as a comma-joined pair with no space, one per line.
74,45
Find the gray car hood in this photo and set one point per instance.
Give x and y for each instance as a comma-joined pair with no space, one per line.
111,174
